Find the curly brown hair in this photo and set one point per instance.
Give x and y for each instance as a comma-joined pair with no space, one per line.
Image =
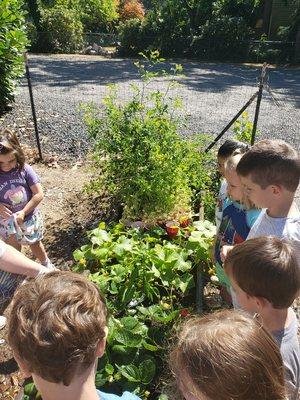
56,324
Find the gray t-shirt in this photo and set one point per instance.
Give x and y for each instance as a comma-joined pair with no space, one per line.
289,348
288,228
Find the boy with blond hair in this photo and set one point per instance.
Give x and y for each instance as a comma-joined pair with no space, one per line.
57,329
265,275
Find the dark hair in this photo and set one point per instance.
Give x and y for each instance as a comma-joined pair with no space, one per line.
271,162
230,146
56,324
228,355
266,267
9,143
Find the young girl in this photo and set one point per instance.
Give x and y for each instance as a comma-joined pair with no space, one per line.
224,153
227,355
238,216
20,194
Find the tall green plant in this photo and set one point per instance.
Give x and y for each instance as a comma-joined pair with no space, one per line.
141,155
13,43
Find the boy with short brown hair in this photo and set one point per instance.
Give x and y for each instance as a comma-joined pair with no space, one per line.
57,330
265,276
270,173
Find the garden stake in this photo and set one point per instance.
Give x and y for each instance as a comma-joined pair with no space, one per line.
32,107
232,121
259,97
199,282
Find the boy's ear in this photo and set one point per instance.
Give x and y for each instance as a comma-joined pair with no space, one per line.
276,189
261,302
102,344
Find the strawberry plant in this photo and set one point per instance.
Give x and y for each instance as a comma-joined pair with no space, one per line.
148,281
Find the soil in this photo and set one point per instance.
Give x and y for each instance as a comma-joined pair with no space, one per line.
68,213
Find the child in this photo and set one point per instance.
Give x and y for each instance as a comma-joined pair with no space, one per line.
270,173
227,355
237,219
20,194
57,329
14,267
224,152
265,276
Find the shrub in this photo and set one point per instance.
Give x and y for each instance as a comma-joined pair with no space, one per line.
143,159
99,15
61,30
132,9
222,38
13,43
134,37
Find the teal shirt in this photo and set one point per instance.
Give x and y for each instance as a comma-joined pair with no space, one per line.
125,396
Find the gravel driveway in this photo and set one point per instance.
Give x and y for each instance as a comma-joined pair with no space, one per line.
212,94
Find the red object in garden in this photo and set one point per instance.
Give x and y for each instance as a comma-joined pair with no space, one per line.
172,229
185,313
184,222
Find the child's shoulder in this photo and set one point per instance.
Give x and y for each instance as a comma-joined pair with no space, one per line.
110,396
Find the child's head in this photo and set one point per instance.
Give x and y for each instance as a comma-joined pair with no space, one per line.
264,272
227,355
234,185
269,168
57,327
227,149
11,153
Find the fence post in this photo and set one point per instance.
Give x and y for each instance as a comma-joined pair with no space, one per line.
259,97
33,107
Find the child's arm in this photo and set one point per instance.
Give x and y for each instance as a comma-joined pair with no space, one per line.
37,197
11,260
5,212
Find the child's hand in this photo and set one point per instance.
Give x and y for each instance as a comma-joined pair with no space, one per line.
224,251
5,212
20,215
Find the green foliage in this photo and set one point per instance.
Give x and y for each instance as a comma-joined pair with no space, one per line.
223,38
141,156
145,279
61,30
243,129
13,43
98,15
134,37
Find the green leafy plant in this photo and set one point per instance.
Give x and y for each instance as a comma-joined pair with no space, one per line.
243,128
142,158
13,43
146,279
61,30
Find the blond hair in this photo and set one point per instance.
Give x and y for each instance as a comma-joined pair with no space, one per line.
231,165
227,355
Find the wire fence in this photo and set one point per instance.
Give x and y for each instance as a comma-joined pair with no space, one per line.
211,94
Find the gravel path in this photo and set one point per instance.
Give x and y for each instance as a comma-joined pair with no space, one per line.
211,93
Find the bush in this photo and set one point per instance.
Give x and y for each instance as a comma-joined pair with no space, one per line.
142,157
13,43
222,38
132,9
99,15
61,30
134,37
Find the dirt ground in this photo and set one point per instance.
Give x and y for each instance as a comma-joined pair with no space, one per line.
68,212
